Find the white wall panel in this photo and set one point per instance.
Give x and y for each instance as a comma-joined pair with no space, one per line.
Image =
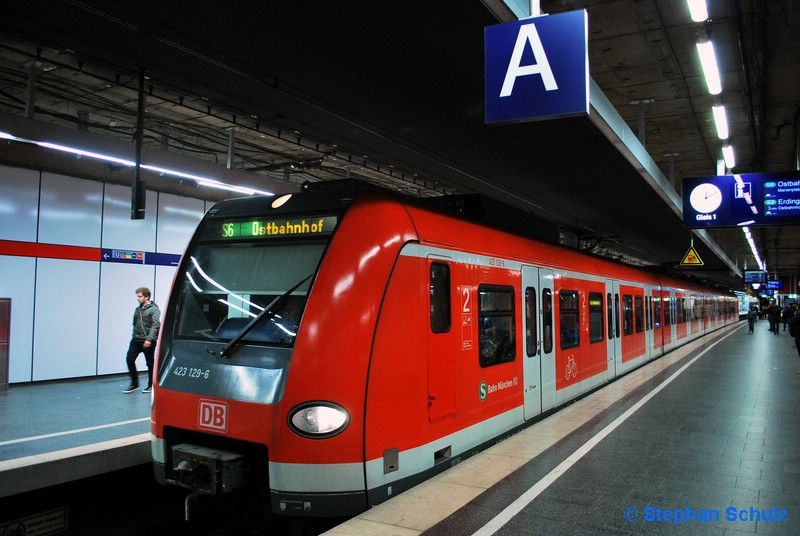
119,230
118,284
71,211
19,204
164,277
177,219
17,283
65,324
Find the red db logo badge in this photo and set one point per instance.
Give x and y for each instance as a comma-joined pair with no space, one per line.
213,416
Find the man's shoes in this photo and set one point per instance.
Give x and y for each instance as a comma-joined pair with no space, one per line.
130,389
147,390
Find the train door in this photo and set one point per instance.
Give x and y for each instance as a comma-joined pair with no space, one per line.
441,345
648,324
614,342
668,308
658,323
539,365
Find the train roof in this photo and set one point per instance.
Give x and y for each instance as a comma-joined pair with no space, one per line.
337,196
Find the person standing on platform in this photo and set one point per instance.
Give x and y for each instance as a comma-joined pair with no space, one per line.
788,312
752,315
146,322
774,317
794,330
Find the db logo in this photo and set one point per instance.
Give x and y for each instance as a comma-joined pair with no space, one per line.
213,416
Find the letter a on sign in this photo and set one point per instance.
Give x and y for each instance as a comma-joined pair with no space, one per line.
528,36
537,68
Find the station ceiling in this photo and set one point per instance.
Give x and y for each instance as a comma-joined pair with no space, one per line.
392,93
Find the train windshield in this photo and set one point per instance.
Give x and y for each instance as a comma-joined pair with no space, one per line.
229,284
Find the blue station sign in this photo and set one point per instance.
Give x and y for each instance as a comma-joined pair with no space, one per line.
537,68
139,257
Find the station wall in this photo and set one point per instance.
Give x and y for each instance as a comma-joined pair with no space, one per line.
72,309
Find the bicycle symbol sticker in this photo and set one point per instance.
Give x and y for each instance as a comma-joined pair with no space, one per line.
572,368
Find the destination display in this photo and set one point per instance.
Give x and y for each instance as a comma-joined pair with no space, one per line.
267,228
755,277
752,199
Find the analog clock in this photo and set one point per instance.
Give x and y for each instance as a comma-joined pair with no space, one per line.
705,198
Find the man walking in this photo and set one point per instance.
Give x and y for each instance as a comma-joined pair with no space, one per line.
146,322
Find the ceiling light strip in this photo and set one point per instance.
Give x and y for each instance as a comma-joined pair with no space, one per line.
200,180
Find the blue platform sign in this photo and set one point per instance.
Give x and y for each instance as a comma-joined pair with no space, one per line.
537,68
139,257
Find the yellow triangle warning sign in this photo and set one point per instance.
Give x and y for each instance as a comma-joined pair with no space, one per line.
691,258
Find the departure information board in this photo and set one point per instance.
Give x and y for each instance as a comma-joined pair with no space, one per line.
755,277
751,199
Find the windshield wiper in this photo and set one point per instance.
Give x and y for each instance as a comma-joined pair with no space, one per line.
225,352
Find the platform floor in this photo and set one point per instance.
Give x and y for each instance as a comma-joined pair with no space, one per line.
56,432
703,441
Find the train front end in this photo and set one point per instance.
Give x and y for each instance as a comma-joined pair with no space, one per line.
259,397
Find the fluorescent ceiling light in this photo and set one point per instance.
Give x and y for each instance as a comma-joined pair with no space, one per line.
749,237
721,121
708,59
201,181
727,154
90,154
698,10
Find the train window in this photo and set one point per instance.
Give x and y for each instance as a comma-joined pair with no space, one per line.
595,317
569,319
440,297
222,291
627,314
657,312
547,320
616,317
667,312
648,309
638,310
496,325
530,322
610,314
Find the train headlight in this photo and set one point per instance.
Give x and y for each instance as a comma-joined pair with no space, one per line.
318,420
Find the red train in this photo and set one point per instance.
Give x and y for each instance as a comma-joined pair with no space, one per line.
320,356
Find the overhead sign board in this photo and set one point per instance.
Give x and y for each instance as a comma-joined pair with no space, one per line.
751,199
755,276
537,68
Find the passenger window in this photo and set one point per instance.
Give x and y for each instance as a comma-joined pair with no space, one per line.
638,310
595,317
530,322
569,319
667,312
496,325
610,314
547,320
627,314
657,312
440,297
